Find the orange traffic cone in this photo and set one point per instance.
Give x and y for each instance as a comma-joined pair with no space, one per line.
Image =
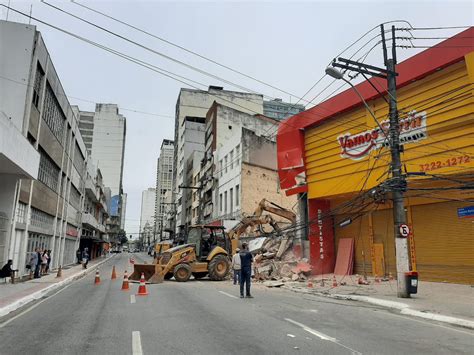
97,278
114,275
142,288
125,286
334,281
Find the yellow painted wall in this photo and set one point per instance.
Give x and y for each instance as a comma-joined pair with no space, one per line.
446,96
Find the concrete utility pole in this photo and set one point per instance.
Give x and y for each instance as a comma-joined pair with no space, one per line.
398,179
397,182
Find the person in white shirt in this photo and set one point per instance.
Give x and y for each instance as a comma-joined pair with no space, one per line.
236,266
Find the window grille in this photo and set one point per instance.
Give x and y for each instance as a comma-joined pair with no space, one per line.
53,114
48,172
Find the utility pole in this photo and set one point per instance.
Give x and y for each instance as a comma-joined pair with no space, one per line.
396,183
398,179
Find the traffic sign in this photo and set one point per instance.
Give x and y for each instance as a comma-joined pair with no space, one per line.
404,230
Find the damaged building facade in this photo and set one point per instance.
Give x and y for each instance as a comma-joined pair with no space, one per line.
339,152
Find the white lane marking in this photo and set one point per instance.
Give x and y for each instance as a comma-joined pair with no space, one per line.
133,299
136,343
290,335
227,294
33,307
322,336
313,310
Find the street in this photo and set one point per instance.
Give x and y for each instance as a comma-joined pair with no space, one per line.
205,317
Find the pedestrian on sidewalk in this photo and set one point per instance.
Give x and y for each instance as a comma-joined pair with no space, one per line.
7,271
236,266
79,255
49,261
44,262
246,259
85,258
37,263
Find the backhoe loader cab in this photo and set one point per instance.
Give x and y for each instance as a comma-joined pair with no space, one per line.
206,239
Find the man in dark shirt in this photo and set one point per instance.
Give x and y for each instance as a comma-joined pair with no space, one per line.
7,271
246,259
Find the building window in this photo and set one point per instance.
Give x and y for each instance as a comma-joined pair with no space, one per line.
237,191
75,198
225,202
21,213
37,85
237,156
231,159
53,114
231,202
225,163
220,202
221,166
48,172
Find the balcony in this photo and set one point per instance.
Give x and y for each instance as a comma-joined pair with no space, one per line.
90,221
91,190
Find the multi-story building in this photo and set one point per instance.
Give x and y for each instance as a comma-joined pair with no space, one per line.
147,215
191,110
94,217
236,147
104,132
47,210
191,191
280,110
164,184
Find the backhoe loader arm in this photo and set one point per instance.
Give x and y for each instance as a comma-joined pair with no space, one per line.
264,205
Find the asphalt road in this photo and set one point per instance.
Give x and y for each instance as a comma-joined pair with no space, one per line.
205,317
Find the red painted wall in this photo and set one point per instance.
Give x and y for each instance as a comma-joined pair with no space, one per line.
321,237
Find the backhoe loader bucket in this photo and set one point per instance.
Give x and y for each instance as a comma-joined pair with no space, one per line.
153,273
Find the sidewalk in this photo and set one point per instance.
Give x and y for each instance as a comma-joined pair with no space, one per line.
443,302
14,296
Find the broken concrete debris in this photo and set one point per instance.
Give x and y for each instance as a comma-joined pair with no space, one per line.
275,260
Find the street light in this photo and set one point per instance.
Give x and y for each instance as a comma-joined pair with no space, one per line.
336,74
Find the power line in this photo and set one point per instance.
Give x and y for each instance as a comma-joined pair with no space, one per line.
90,101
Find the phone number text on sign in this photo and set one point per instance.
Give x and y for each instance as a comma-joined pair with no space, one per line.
439,164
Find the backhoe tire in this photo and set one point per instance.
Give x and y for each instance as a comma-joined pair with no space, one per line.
182,272
218,268
199,275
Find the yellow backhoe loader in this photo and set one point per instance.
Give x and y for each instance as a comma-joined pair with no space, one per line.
206,253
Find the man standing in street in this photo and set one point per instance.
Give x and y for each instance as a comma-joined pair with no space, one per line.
37,261
236,266
246,259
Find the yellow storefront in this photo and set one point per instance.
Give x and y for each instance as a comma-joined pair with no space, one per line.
346,162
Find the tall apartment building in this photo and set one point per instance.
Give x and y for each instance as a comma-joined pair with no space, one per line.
279,110
147,216
104,132
164,184
95,213
191,110
42,181
236,142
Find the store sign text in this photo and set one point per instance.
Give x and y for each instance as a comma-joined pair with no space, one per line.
320,229
358,146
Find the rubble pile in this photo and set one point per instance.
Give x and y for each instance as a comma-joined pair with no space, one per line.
275,261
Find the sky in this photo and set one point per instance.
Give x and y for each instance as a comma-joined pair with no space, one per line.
287,44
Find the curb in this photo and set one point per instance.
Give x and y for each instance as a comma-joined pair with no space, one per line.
402,307
41,293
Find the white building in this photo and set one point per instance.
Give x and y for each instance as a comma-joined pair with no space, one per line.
222,168
191,110
147,214
104,132
164,184
43,213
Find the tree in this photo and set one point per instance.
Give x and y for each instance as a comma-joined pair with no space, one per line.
122,237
